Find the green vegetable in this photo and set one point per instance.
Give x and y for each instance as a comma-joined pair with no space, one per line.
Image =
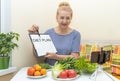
63,64
84,65
89,68
68,63
79,63
46,66
56,69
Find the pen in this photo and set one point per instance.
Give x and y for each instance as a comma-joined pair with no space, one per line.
38,33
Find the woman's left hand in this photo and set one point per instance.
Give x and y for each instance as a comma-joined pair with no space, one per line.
51,55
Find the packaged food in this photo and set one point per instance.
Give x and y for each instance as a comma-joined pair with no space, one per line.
116,64
115,69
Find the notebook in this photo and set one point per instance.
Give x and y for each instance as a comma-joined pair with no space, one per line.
42,44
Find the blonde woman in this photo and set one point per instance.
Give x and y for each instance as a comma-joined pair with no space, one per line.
65,39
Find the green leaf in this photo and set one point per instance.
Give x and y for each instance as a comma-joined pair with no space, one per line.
6,42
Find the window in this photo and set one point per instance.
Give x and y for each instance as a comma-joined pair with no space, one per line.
5,17
5,26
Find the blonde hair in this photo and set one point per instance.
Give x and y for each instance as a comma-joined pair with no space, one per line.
64,6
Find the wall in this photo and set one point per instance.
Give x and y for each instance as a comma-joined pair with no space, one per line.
95,19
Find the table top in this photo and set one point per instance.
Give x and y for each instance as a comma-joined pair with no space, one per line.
101,76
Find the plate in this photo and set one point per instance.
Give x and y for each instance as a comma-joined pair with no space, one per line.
36,76
48,69
67,79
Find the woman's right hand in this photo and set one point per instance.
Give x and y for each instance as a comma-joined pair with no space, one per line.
33,29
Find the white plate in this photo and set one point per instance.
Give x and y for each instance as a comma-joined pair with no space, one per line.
36,76
48,69
67,79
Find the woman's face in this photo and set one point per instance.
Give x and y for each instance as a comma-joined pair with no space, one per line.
64,18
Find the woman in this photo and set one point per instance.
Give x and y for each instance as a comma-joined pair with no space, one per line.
65,39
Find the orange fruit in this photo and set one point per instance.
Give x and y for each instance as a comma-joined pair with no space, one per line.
43,71
37,73
30,71
37,67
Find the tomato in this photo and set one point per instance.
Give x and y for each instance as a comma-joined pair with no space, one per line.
68,74
63,75
72,73
67,71
30,71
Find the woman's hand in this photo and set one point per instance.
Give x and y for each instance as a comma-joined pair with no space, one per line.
59,57
33,29
51,55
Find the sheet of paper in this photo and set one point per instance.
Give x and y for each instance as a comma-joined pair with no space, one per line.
42,44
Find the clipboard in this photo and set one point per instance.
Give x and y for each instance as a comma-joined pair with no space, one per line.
42,44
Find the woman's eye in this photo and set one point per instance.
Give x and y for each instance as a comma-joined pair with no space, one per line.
67,18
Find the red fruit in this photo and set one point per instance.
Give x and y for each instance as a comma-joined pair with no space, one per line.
30,71
72,73
67,71
63,75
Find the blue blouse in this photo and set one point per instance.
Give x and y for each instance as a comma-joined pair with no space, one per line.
65,44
